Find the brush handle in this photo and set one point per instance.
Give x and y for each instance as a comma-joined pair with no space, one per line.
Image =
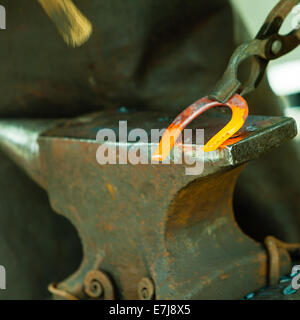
74,27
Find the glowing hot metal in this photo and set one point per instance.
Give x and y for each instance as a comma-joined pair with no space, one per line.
239,108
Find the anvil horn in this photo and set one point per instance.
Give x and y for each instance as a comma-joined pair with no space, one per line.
19,140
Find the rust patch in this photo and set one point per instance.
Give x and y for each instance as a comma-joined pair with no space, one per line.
111,191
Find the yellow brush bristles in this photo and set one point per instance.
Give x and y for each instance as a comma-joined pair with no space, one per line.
74,27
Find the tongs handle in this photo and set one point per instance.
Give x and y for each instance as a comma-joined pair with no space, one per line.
268,45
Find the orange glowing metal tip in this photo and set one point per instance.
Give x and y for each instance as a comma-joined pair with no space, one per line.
239,108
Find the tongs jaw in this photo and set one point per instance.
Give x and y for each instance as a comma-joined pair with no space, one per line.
267,45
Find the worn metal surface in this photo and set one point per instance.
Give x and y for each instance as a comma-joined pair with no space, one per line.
146,289
273,245
98,285
122,64
19,141
149,220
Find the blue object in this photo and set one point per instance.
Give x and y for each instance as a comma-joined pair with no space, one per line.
249,296
289,290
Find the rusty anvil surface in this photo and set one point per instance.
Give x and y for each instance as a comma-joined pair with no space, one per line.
152,220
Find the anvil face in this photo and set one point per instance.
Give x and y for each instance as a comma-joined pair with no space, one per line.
151,220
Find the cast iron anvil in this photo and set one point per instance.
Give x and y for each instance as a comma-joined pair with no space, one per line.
149,230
